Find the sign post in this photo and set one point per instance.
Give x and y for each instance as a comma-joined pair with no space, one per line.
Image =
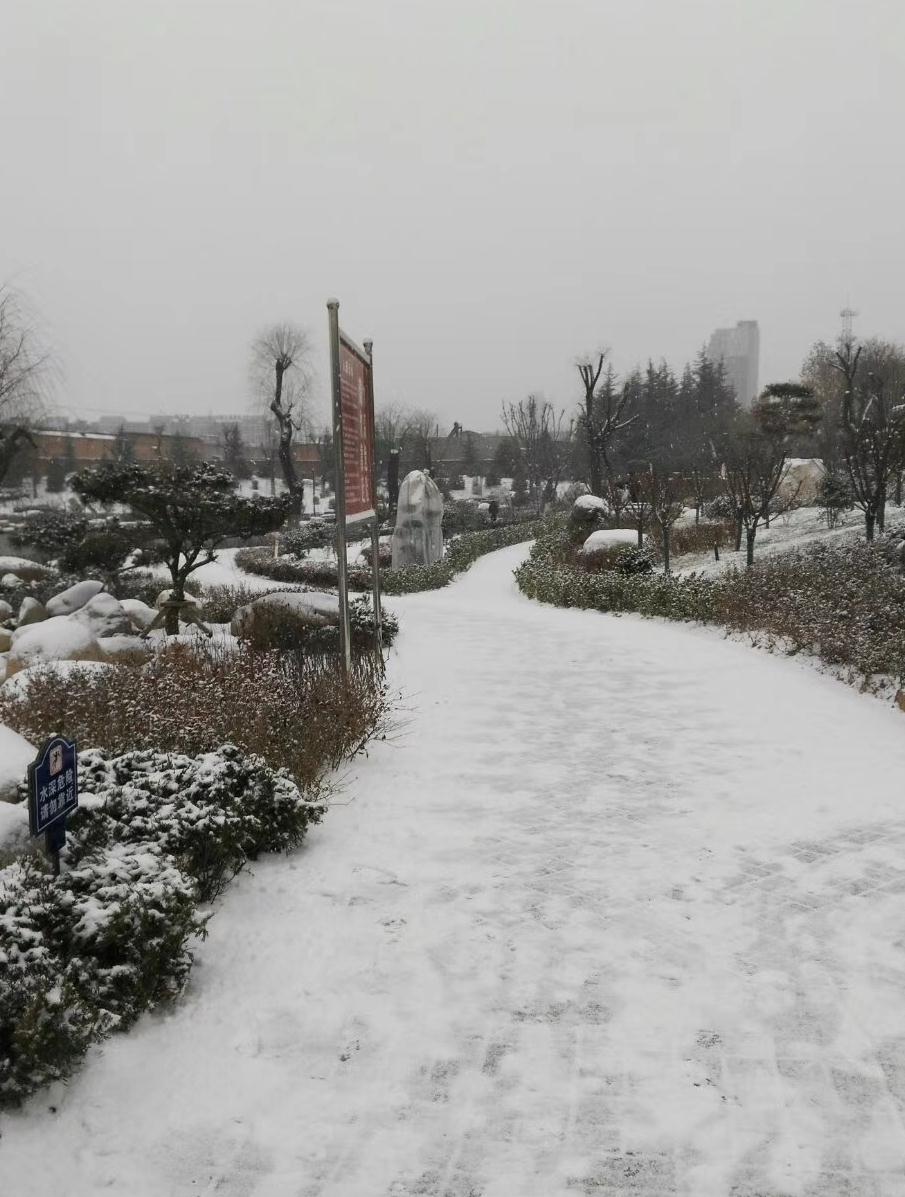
356,479
53,793
375,524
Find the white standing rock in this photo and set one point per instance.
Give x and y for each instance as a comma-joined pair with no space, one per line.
74,597
418,537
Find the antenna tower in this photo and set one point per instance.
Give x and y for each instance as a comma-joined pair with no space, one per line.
848,316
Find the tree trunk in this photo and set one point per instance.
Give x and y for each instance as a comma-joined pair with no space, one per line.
881,511
666,540
738,531
869,519
899,488
177,592
749,539
640,532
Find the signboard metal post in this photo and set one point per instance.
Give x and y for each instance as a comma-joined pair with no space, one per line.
375,526
339,450
53,793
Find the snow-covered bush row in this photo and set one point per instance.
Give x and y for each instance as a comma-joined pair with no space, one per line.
212,813
296,711
844,604
87,952
460,554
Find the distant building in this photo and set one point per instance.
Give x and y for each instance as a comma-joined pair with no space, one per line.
739,350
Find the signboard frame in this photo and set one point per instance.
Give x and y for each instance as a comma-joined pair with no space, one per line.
339,342
57,760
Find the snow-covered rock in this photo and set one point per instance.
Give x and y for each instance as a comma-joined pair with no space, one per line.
6,639
105,616
14,830
6,610
140,614
56,639
16,754
10,581
31,611
24,567
116,645
315,607
73,598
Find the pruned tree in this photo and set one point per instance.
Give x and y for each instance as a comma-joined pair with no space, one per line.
602,416
281,374
193,509
24,375
537,430
638,500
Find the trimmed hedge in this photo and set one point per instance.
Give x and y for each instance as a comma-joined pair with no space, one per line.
87,952
459,555
844,604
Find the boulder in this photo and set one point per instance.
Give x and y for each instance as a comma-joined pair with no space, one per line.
115,646
105,616
25,569
317,608
74,597
11,581
31,611
418,536
140,614
6,639
56,639
6,610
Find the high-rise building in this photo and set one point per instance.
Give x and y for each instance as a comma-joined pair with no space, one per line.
739,350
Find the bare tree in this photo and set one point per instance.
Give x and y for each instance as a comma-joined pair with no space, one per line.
536,428
281,373
602,415
24,371
665,496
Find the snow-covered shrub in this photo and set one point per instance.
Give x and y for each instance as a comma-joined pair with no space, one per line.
385,555
588,513
211,813
460,553
278,627
625,559
460,516
720,508
84,953
45,1024
218,604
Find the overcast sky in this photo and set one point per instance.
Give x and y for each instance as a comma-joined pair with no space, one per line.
490,187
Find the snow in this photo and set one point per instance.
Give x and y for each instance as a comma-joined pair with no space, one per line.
605,538
12,565
591,503
618,909
16,754
57,638
17,685
74,597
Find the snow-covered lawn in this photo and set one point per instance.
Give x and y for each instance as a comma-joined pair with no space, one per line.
620,911
797,530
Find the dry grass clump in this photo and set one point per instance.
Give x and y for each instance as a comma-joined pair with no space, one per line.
296,711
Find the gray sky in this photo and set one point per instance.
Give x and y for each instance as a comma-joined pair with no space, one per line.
490,187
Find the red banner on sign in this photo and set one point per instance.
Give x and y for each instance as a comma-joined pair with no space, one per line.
357,406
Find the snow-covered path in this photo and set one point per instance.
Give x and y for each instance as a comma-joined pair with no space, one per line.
623,912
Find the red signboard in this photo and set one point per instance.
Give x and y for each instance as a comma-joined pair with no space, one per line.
357,405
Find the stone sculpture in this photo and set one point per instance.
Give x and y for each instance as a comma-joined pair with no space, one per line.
418,537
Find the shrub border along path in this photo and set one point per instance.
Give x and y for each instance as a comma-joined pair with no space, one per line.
848,613
461,553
